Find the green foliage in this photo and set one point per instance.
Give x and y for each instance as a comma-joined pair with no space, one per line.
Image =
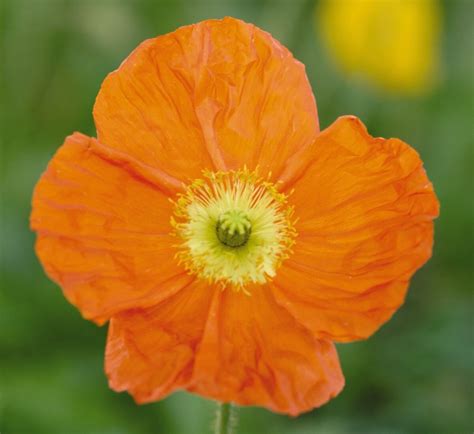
414,376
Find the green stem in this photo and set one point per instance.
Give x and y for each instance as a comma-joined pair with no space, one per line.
225,418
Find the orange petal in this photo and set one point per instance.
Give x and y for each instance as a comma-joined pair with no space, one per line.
219,94
366,208
103,230
254,353
150,352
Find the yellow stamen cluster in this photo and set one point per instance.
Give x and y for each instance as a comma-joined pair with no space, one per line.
235,228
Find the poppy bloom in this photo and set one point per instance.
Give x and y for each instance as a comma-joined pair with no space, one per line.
392,43
227,240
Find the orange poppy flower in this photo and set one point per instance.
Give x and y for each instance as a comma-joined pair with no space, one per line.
229,242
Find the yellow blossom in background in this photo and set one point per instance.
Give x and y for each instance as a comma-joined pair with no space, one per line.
393,43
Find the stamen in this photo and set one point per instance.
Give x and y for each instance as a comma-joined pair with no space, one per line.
235,228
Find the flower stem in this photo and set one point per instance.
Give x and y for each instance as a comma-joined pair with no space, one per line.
225,418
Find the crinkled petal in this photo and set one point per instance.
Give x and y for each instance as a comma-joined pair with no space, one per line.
365,209
254,353
219,95
103,230
150,352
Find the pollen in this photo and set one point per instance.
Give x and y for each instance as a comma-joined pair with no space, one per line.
234,228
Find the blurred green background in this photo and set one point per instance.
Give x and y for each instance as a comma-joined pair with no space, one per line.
414,376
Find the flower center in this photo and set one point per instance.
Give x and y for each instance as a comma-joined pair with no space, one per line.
234,228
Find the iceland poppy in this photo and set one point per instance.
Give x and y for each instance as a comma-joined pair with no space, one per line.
392,43
227,240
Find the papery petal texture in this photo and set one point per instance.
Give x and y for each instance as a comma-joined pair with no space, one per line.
253,352
365,209
222,345
219,95
151,352
103,230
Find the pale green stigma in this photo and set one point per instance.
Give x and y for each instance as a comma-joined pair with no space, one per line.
233,228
